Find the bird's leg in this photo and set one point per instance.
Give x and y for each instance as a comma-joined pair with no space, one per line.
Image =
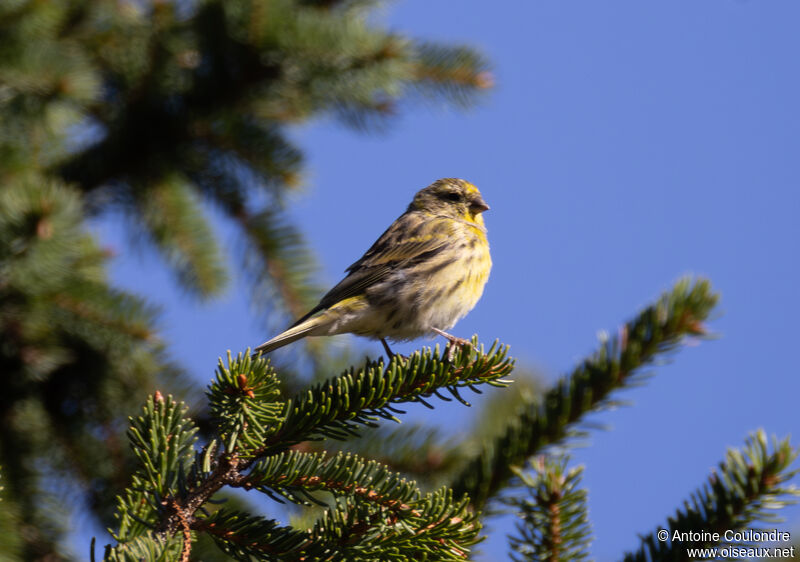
389,352
452,342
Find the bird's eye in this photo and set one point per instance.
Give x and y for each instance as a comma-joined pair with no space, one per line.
452,196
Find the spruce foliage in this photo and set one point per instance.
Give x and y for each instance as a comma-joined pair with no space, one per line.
370,512
75,353
748,487
160,113
365,510
554,520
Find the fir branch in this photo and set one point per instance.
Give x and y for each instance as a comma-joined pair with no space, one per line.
655,331
294,474
459,73
244,405
170,213
256,145
242,535
360,397
277,262
555,524
75,351
280,60
334,408
747,487
436,529
163,441
81,305
145,547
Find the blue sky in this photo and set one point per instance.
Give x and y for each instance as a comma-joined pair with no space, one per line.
626,144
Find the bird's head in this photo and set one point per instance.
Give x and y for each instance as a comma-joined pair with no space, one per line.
451,197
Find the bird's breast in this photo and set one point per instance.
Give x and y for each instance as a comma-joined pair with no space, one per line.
434,293
446,289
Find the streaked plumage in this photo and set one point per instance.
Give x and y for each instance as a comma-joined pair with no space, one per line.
420,277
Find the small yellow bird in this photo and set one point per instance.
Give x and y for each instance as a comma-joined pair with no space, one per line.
420,277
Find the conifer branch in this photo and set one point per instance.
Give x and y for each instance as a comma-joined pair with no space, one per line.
555,524
436,528
658,329
748,486
275,63
163,442
244,403
75,351
170,212
149,548
255,430
277,261
455,71
338,407
294,474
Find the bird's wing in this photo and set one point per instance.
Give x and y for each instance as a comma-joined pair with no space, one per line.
403,244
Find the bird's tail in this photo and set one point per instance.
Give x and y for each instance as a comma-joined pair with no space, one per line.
296,332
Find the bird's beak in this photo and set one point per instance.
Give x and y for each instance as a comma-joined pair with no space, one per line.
478,205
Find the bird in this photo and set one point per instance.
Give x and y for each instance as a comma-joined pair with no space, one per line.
422,275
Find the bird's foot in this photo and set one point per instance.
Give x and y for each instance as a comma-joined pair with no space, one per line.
453,342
